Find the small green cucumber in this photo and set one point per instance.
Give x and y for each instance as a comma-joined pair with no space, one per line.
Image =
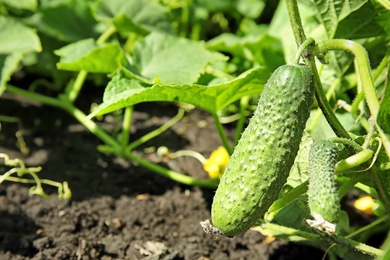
322,191
262,159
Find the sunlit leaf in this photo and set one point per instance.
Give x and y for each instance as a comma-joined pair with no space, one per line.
122,92
171,59
89,56
22,4
16,37
8,64
139,16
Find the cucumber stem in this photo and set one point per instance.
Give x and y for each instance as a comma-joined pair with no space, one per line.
302,49
299,35
362,68
222,133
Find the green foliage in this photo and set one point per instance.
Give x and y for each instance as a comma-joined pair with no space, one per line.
123,91
263,157
216,56
89,56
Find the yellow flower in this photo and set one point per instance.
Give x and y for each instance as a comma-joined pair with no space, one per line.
216,164
364,204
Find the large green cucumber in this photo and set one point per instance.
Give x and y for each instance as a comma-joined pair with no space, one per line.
262,159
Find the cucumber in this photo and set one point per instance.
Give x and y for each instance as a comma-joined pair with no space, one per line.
322,192
262,159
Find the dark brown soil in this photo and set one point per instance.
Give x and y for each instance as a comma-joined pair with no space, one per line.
118,210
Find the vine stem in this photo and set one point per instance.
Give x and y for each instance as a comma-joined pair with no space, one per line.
362,68
303,235
72,90
296,23
364,77
222,133
63,103
299,35
157,131
125,134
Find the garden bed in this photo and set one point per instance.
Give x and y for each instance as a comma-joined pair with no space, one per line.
118,210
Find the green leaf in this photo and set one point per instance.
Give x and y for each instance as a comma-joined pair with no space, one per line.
384,112
139,16
172,60
382,17
122,92
322,130
8,64
22,4
251,8
87,55
260,48
15,37
346,19
360,24
299,171
69,21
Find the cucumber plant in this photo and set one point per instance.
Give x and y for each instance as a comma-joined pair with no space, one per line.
248,189
263,157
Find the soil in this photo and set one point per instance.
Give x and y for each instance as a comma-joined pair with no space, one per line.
118,210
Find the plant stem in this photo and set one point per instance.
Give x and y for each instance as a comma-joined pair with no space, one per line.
178,177
323,103
362,69
222,134
125,134
285,200
106,34
318,114
296,23
346,242
299,35
302,51
157,131
34,96
63,103
244,102
72,91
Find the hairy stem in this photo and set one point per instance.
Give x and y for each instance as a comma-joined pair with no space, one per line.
299,35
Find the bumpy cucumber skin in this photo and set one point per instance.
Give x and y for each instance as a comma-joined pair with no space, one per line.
263,157
322,191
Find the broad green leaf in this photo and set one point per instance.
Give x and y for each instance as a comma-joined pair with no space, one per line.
384,112
91,57
299,171
251,8
44,63
383,16
122,92
22,4
322,130
359,24
69,21
15,37
218,5
332,12
260,48
139,16
8,64
172,60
